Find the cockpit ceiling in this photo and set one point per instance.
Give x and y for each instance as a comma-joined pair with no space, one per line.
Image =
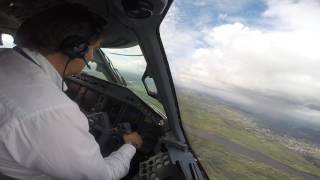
14,12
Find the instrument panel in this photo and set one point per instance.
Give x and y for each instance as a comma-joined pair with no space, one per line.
119,105
108,107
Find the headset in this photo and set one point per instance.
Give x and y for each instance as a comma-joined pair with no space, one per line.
75,47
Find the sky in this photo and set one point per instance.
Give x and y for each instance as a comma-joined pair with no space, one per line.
260,54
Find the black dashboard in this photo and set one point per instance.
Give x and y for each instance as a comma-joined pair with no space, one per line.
109,106
119,105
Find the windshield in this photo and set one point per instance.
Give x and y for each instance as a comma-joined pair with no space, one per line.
247,79
128,66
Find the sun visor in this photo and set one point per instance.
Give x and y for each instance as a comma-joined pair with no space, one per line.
7,23
116,35
98,7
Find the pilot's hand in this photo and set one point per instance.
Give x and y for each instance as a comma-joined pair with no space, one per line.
133,138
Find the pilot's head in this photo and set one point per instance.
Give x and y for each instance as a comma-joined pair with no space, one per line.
64,34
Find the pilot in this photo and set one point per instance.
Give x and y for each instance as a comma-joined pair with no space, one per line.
43,133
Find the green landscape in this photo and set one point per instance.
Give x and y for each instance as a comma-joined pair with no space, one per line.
259,155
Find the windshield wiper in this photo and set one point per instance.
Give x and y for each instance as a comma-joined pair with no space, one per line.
119,54
116,72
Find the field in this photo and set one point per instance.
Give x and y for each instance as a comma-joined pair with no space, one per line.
221,164
259,157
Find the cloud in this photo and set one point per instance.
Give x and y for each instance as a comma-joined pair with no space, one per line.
281,61
249,58
294,14
178,38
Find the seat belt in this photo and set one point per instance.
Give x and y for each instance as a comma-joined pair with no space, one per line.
20,51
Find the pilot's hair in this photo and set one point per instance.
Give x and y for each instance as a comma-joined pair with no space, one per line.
45,31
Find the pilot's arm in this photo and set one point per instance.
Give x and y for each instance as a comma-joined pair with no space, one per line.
56,142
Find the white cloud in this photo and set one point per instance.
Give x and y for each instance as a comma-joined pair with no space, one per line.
294,14
282,62
179,39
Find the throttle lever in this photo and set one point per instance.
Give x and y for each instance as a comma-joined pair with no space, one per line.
124,128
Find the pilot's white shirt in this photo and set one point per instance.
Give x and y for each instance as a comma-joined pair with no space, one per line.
43,134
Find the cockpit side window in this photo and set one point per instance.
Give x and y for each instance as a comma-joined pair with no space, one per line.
6,41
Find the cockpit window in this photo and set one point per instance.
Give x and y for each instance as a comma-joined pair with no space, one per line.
247,78
6,41
126,67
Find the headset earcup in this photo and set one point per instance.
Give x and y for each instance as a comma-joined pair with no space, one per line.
74,47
